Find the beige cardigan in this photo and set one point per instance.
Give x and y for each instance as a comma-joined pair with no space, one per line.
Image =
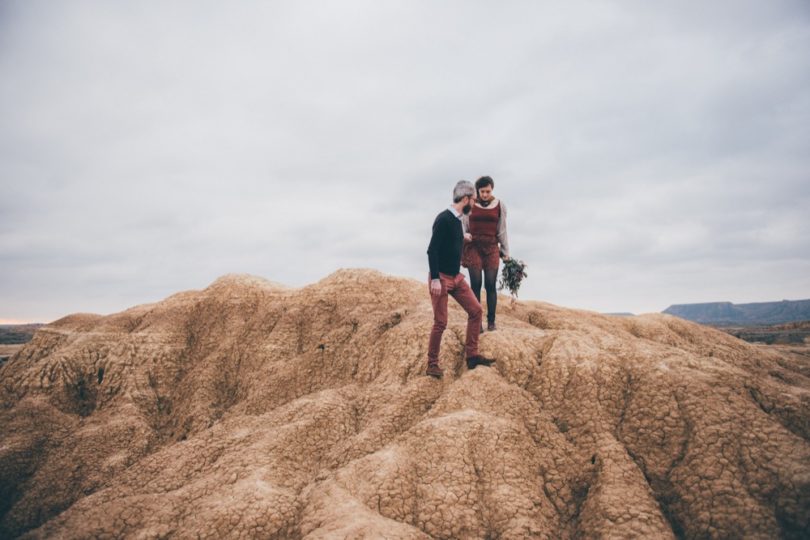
503,239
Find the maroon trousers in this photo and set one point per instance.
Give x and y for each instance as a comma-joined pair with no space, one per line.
456,287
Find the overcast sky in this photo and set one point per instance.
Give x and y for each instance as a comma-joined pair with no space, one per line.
649,153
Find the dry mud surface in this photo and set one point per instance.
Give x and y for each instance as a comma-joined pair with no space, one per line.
249,409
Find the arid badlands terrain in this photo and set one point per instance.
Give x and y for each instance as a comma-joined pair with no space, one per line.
252,410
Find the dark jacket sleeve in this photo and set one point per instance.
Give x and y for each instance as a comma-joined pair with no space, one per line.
435,246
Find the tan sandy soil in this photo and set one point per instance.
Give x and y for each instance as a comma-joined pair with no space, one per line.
253,410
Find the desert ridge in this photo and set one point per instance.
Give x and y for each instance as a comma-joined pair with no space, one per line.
253,409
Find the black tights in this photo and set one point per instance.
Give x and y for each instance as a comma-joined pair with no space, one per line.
490,276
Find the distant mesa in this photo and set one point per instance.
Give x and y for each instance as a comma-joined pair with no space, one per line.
252,410
728,314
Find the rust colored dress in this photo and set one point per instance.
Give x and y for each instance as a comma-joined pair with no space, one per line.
482,252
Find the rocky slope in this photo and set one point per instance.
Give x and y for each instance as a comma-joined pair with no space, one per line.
253,410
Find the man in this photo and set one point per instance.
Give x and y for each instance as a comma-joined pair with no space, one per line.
444,258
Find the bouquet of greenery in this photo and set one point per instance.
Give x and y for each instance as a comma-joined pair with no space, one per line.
512,274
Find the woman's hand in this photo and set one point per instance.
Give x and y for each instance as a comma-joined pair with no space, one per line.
467,237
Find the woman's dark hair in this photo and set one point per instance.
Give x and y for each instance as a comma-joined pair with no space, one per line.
484,181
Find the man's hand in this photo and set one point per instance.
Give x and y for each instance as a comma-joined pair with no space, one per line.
467,237
436,287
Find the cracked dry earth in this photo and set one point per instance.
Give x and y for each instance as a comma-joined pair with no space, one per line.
249,409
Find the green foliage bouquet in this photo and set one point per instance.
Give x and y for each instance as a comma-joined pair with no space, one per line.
512,275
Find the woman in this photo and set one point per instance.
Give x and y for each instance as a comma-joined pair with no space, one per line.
485,239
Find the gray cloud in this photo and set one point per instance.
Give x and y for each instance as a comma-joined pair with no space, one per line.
648,153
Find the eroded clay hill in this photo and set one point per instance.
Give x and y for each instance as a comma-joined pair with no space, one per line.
253,410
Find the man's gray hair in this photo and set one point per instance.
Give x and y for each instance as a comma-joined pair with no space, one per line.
463,189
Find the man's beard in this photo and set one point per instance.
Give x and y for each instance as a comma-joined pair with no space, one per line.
467,208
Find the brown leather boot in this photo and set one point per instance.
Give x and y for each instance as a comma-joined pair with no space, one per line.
474,361
434,371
